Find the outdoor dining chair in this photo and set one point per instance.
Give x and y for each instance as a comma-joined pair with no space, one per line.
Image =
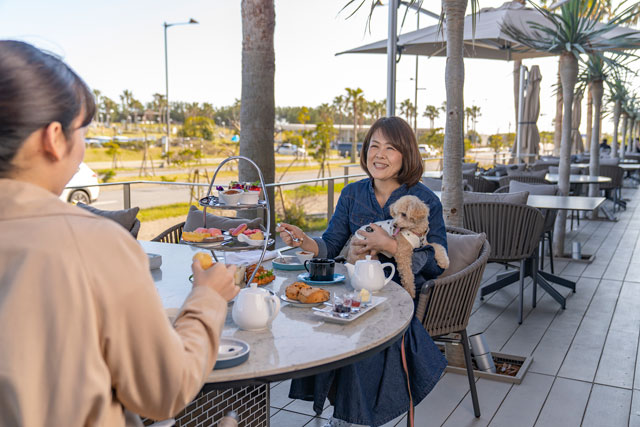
514,232
445,303
478,184
171,234
613,189
522,177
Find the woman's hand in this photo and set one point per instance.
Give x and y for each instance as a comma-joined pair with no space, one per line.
376,241
288,232
218,277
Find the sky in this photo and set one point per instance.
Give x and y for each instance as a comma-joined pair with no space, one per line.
118,45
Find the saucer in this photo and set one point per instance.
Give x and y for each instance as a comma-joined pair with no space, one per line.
231,352
337,278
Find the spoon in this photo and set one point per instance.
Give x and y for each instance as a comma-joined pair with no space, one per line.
295,239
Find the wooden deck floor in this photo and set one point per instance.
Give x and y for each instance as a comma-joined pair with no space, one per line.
585,369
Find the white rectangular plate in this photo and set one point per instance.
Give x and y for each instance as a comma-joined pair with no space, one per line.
328,314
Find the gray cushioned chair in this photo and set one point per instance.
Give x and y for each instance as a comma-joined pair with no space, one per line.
478,184
613,189
445,303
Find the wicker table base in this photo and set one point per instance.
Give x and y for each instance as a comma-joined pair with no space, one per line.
251,403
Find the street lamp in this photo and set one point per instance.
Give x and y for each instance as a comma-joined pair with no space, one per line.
166,73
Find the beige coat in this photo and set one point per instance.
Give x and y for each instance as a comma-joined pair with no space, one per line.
83,334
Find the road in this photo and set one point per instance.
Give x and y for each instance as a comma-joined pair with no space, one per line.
149,195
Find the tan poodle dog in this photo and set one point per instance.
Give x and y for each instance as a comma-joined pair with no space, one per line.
409,226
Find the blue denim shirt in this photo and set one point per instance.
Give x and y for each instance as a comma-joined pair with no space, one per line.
358,206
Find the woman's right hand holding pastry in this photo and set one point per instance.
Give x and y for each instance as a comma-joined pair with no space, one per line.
218,277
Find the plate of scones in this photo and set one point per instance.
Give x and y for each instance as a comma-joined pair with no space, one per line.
299,294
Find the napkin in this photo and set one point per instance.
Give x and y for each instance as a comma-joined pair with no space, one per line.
248,257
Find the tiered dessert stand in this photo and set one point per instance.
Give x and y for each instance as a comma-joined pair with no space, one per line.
211,201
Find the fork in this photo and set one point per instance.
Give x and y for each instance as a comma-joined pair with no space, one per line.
294,238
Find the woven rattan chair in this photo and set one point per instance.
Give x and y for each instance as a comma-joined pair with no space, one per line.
514,232
478,184
445,304
505,180
170,235
613,189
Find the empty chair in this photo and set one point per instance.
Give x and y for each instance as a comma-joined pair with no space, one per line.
613,189
478,184
529,177
514,232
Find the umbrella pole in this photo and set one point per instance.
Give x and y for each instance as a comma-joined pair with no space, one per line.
523,82
391,57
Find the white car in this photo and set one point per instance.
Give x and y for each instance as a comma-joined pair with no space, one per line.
84,177
291,150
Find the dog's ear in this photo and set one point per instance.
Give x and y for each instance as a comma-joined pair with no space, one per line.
392,209
418,211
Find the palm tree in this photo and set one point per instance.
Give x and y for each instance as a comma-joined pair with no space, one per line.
159,105
570,33
98,98
377,109
356,101
407,109
617,86
257,106
432,112
467,116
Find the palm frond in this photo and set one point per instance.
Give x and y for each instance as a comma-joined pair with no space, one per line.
575,29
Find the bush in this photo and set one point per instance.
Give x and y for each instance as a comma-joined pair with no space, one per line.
107,175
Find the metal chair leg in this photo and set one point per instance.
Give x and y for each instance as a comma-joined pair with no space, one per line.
472,381
550,234
522,271
542,252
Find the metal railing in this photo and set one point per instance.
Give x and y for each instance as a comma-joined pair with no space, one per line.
126,187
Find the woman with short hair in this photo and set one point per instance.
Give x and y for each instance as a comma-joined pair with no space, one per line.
374,390
84,339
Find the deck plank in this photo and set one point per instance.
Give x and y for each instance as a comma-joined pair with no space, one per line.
524,401
608,406
565,404
490,396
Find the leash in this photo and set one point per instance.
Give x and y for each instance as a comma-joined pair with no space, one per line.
406,371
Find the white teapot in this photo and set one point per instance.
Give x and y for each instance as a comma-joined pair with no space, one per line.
255,308
369,274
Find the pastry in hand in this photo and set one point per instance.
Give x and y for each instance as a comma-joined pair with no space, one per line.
204,259
293,289
313,295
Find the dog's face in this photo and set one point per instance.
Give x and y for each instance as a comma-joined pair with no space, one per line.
410,213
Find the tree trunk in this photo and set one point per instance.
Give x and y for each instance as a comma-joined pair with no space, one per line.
257,107
589,116
557,135
568,75
617,107
596,91
516,89
354,144
625,120
632,125
454,138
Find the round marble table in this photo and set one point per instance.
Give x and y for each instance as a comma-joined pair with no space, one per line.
299,343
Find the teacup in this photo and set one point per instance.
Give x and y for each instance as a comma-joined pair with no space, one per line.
304,255
320,269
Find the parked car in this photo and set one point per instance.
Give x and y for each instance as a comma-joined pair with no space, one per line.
84,177
344,148
288,149
426,150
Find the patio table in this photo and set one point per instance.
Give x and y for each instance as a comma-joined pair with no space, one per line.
297,345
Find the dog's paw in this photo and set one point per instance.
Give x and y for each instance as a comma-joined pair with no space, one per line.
441,256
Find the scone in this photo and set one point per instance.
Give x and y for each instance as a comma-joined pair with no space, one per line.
313,295
293,289
204,259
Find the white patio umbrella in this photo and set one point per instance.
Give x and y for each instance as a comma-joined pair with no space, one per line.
530,139
488,42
